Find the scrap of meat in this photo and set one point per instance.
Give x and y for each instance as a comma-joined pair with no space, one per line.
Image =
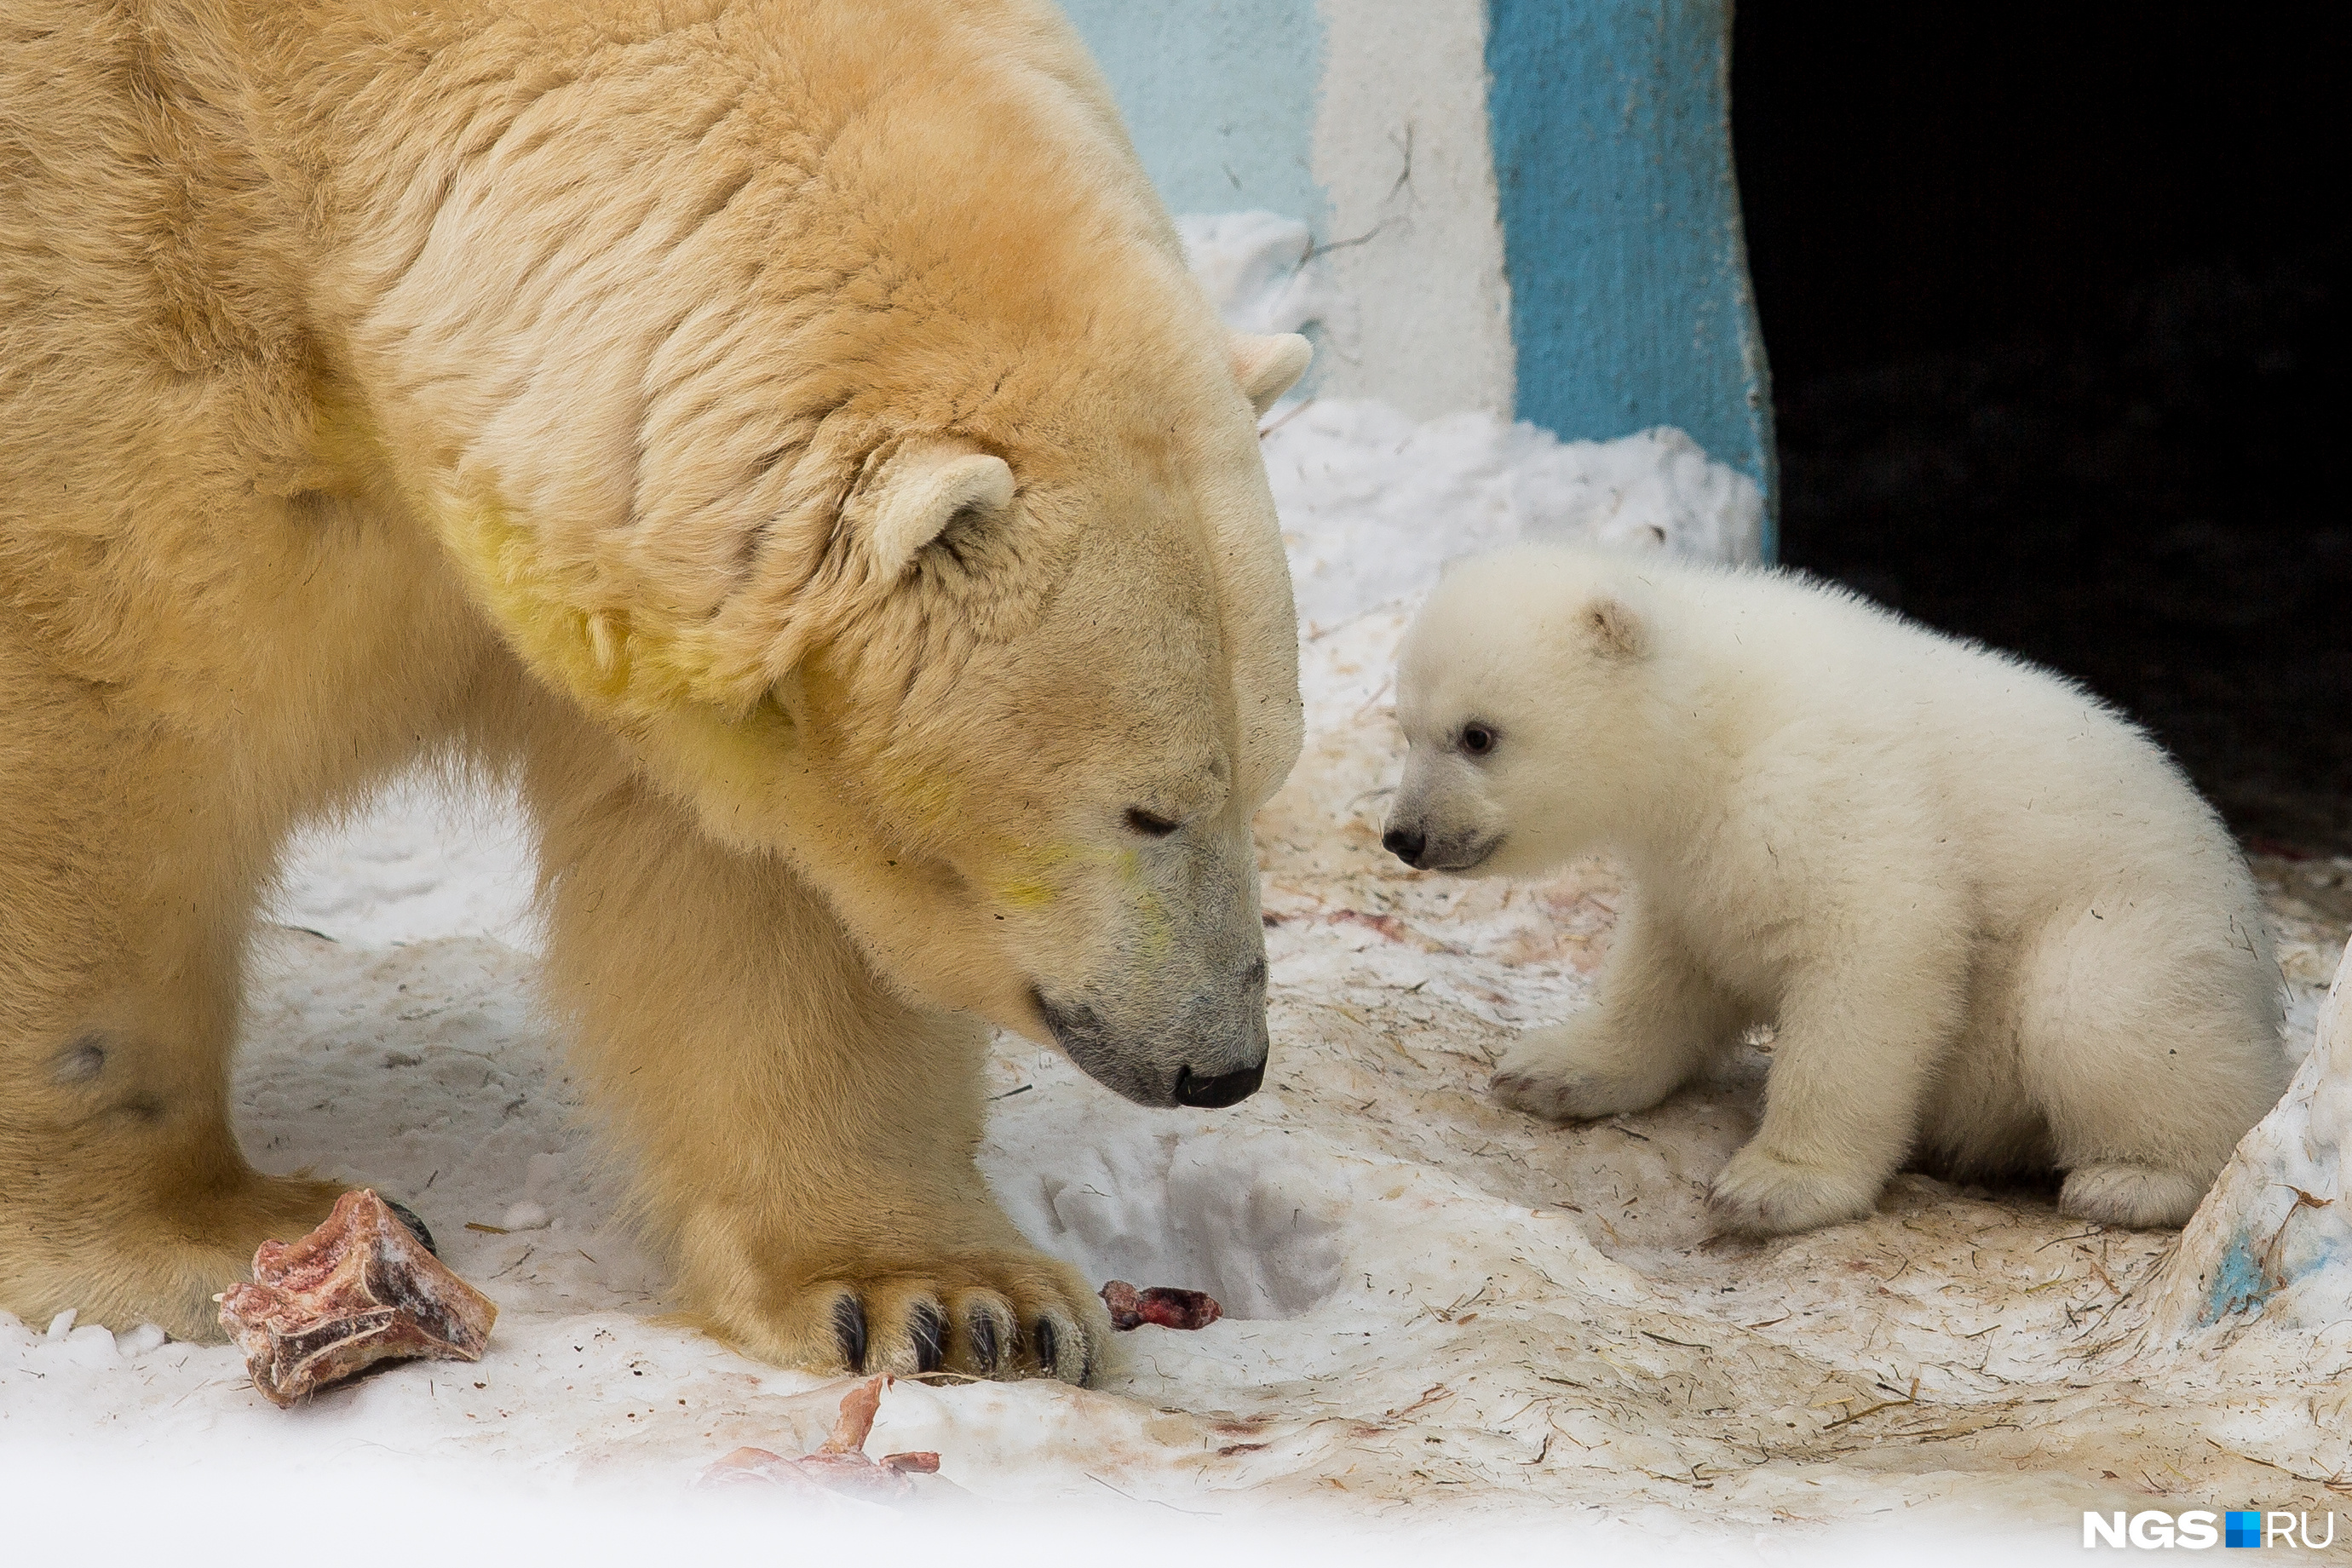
839,1465
1389,928
359,1289
1162,1304
1387,925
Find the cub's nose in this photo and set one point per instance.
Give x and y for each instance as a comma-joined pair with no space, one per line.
1215,1093
1405,843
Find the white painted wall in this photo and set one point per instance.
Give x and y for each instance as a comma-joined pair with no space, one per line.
1401,148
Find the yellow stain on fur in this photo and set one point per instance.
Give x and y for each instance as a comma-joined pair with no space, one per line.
615,667
1026,893
1033,888
597,655
554,616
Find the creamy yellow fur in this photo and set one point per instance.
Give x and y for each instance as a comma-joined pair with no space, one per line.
553,388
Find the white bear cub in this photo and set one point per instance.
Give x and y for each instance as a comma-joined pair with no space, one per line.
1993,927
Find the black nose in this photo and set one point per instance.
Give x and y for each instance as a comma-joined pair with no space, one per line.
1405,844
1215,1093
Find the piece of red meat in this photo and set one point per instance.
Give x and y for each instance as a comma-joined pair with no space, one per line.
1162,1304
359,1289
839,1464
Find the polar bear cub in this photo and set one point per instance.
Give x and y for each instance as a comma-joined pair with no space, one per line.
1993,927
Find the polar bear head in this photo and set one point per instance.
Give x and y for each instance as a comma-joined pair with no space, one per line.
1006,690
1527,690
826,408
1061,713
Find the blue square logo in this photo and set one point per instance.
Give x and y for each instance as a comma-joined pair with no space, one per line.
2241,1527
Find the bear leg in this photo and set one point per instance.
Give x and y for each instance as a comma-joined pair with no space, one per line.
2149,1041
1659,1022
805,1140
1854,1053
123,913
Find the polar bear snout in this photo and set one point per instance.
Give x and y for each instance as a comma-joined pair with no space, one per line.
1458,851
1455,850
1224,1089
1405,843
1435,828
1211,1055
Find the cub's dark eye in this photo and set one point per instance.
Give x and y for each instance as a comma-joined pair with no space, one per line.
1150,826
1477,739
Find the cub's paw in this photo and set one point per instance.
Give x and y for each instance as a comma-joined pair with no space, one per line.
1000,1315
1760,1193
1567,1074
2137,1197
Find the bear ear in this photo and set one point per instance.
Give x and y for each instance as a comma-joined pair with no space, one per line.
926,485
1614,630
1265,368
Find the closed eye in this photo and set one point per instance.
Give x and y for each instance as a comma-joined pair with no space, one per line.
1149,823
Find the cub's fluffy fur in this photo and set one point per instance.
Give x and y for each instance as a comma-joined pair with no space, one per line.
1992,926
781,435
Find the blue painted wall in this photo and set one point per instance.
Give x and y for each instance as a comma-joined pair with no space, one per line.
1220,96
1630,302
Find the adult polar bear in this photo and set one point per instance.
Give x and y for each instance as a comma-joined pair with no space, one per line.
783,435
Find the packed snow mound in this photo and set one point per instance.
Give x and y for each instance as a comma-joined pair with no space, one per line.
1259,269
2271,1247
1373,503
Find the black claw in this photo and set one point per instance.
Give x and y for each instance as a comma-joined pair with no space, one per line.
929,1329
1049,1344
407,1217
849,1327
981,1324
1087,1367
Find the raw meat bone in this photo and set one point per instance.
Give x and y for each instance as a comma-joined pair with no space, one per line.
839,1465
1162,1304
359,1289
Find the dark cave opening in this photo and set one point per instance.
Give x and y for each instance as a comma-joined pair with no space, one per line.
2054,297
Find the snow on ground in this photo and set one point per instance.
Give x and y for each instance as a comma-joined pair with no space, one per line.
1437,1309
1372,503
1441,1314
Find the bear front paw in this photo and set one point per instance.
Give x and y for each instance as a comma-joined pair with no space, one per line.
1760,1194
999,1315
1562,1075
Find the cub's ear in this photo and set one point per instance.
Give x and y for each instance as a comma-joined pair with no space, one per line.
1615,632
924,486
1265,368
